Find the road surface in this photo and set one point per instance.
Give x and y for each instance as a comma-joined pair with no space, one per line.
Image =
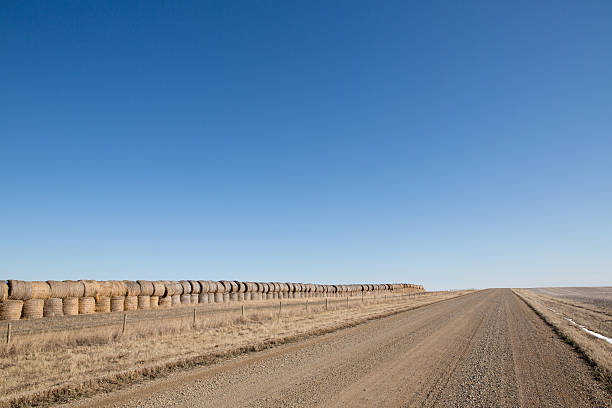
486,349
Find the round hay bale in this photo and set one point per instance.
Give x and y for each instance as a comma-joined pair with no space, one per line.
195,298
105,289
40,290
196,288
33,309
58,289
186,287
226,297
132,288
70,306
19,290
203,298
186,299
159,288
176,300
240,297
75,288
165,302
154,302
131,302
218,297
144,302
146,287
203,286
117,304
3,291
103,304
53,307
119,289
211,297
174,288
91,288
11,309
233,297
87,305
226,287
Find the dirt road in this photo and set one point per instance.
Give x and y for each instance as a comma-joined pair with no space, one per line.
484,349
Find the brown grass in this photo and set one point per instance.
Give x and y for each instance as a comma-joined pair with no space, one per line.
44,368
555,310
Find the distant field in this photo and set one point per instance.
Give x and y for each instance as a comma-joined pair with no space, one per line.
599,296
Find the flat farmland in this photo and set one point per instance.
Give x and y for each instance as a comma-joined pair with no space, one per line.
597,296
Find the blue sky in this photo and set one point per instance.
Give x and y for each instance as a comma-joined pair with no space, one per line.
453,144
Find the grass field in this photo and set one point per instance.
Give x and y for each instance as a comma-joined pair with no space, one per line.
56,359
567,309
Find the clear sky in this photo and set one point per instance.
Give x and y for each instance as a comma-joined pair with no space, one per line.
454,144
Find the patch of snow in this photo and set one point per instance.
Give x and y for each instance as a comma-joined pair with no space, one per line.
591,332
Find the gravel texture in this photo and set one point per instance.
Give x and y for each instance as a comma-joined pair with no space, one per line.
486,349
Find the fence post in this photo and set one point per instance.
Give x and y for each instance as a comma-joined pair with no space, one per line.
326,305
307,305
242,310
194,316
8,333
347,300
124,323
280,308
361,297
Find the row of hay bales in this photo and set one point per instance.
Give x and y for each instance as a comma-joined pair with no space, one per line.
36,299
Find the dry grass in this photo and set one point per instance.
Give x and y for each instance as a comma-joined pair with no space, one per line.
555,311
39,368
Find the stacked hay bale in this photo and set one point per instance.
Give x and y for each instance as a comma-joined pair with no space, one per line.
196,288
3,291
131,295
11,309
144,297
186,292
53,307
242,288
204,288
103,296
159,289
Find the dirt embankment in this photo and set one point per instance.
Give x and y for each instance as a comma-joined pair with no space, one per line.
484,349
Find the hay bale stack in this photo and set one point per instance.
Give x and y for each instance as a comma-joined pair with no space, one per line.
131,302
159,288
105,289
19,290
103,304
203,297
53,307
132,288
90,288
11,309
87,305
144,301
154,302
146,288
3,291
186,299
195,299
33,309
70,306
165,302
117,304
176,300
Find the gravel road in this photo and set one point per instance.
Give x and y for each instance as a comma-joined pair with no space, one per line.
486,349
